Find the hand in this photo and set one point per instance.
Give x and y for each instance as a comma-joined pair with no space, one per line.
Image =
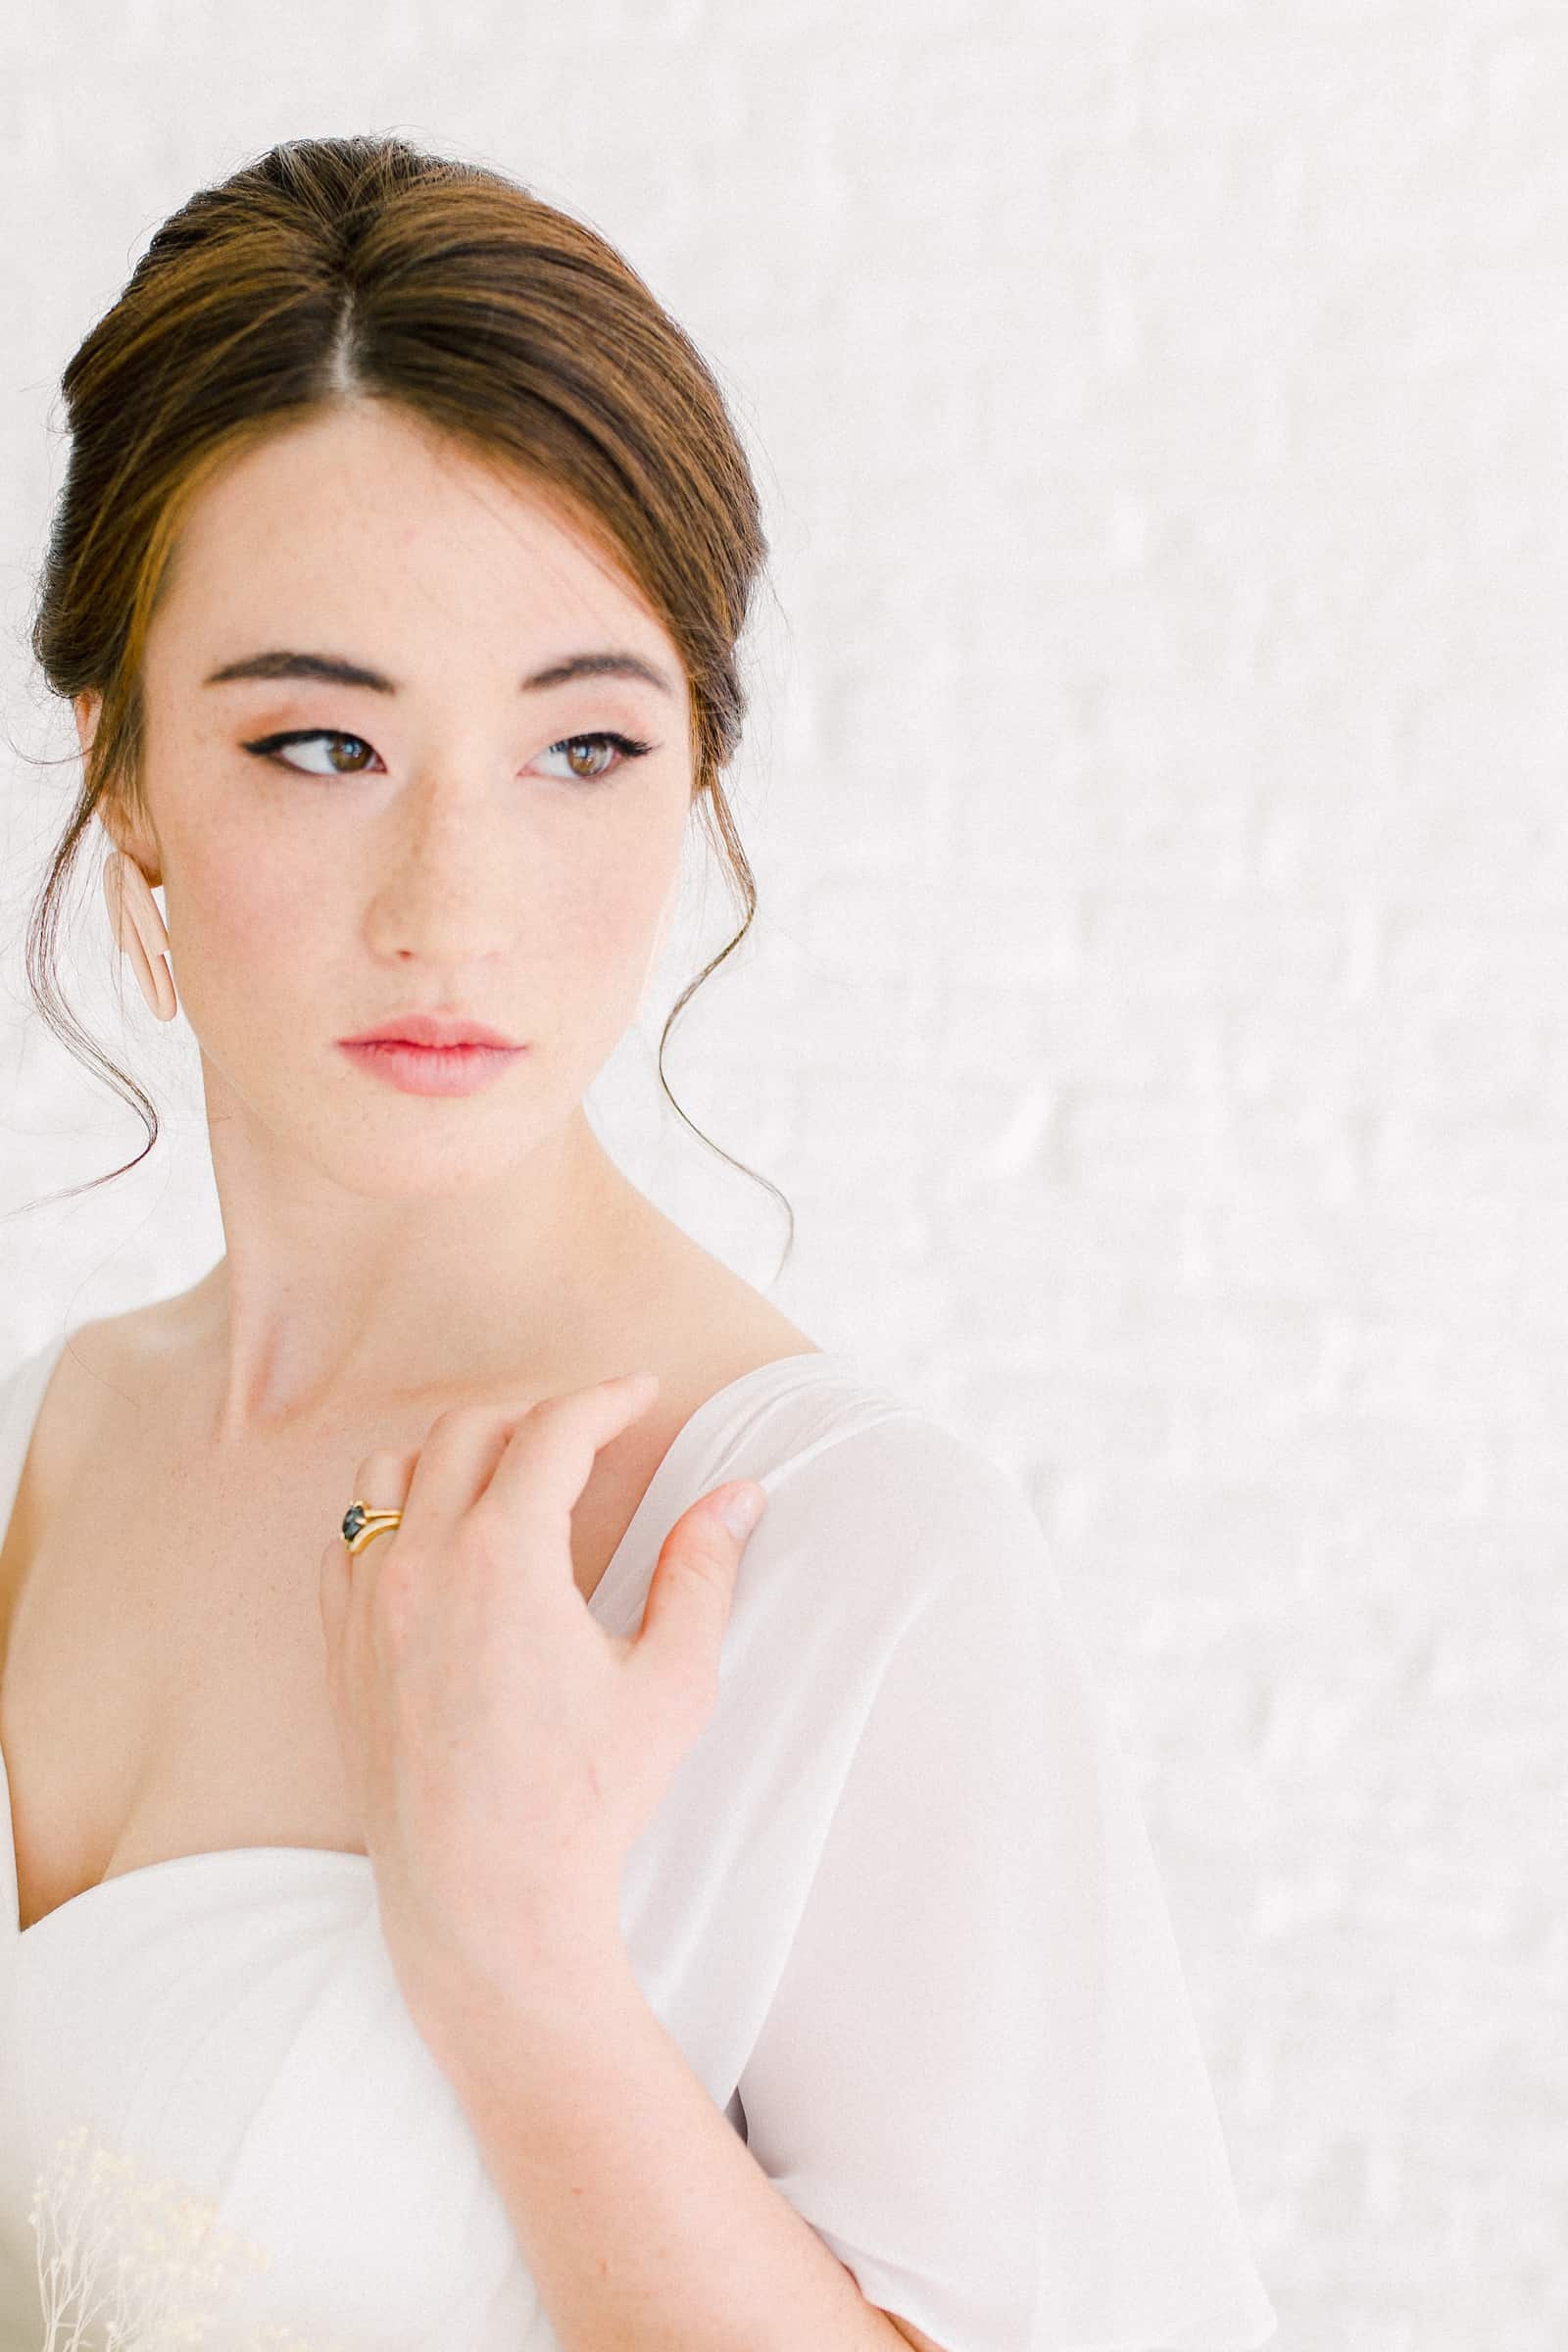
505,1753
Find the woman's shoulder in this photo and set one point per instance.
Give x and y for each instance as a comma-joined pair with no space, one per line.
97,1372
872,1486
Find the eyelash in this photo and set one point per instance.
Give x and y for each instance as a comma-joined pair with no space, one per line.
266,747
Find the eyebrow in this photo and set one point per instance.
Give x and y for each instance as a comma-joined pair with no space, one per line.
334,671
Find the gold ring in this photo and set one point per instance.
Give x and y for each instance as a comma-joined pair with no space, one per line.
360,1523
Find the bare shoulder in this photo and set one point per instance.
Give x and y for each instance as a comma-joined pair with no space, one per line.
94,1380
114,1354
698,1324
100,1381
717,1326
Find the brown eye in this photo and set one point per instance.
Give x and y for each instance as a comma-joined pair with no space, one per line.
597,770
591,759
270,747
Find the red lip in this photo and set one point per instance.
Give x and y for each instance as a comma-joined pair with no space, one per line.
428,1029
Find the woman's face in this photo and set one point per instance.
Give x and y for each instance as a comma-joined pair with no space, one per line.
452,839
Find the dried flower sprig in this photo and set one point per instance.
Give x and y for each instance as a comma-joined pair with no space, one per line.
143,2263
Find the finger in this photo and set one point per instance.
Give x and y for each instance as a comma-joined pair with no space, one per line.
545,1463
464,1447
381,1482
693,1592
452,1468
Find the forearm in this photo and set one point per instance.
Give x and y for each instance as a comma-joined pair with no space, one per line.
646,2221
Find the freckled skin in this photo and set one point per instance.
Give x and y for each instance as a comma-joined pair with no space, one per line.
377,1240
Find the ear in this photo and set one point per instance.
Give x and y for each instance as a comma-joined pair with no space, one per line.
113,821
87,710
87,707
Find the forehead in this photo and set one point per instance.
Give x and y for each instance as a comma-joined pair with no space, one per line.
370,526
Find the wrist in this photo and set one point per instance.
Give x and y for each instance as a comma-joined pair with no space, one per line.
542,1993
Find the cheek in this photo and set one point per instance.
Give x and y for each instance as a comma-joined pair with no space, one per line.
245,915
633,927
589,957
611,896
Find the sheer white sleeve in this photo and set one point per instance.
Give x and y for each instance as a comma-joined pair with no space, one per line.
979,2077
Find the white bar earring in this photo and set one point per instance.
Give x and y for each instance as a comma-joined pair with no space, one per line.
138,928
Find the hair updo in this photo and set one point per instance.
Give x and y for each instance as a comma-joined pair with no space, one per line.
332,269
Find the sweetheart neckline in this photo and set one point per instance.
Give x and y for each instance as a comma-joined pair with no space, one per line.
695,1424
146,1870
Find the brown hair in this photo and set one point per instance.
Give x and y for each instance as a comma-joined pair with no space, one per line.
336,269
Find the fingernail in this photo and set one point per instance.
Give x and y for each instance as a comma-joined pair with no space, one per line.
741,1508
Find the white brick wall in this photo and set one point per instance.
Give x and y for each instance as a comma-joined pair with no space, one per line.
1156,1011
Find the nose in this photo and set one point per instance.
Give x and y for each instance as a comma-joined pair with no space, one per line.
440,891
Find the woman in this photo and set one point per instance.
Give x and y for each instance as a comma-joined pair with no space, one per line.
535,1913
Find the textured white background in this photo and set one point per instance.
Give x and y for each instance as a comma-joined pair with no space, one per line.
1156,1010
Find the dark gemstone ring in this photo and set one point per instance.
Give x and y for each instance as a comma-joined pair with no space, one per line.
360,1523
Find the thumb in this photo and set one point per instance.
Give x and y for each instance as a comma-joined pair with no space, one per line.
693,1587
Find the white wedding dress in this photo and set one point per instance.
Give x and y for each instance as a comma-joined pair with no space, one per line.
899,1910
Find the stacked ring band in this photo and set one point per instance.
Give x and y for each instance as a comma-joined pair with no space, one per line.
360,1523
